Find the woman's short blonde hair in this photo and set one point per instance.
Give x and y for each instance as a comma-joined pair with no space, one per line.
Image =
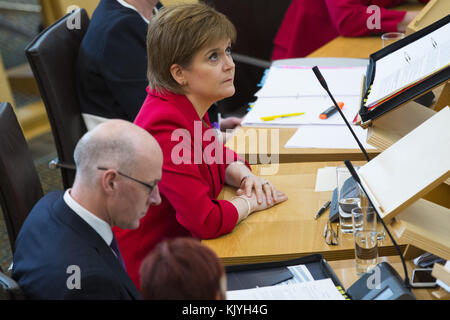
176,34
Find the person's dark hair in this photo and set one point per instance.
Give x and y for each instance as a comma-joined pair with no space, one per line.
181,269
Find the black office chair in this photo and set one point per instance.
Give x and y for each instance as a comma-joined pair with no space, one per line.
9,289
20,187
52,56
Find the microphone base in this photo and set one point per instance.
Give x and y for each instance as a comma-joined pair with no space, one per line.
380,283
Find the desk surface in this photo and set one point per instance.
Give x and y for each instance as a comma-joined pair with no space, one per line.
287,230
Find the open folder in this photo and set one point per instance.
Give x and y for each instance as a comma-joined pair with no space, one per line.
406,69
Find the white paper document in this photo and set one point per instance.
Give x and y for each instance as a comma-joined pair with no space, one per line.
293,81
312,290
326,179
312,107
300,274
328,137
410,64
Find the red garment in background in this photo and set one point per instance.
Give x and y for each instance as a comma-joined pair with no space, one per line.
189,191
309,24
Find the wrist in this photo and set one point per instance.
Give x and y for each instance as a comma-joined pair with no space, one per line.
248,207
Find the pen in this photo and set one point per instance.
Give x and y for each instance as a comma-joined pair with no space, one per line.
330,111
322,210
269,118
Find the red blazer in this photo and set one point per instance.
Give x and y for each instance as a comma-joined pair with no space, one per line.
188,189
309,24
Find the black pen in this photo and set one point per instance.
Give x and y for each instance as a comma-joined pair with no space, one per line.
322,210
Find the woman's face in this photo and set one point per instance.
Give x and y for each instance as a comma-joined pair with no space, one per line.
210,77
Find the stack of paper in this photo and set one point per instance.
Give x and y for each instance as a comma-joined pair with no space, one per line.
410,65
311,290
289,90
294,98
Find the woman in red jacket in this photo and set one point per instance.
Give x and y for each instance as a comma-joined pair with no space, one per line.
189,68
309,24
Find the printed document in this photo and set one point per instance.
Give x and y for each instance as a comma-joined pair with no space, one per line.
312,290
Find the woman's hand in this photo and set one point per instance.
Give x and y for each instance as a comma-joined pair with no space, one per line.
264,190
409,16
247,205
230,123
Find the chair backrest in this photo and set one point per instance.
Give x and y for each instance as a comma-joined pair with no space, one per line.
53,57
9,289
20,187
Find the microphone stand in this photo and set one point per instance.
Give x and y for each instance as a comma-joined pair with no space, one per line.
355,176
325,86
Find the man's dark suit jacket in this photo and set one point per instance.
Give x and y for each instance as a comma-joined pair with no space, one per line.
112,63
55,246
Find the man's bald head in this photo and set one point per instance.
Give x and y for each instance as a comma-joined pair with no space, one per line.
116,144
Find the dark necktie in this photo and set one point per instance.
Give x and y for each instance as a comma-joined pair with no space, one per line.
115,247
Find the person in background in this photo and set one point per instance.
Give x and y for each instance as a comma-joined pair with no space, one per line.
112,63
187,74
66,248
182,269
308,25
110,72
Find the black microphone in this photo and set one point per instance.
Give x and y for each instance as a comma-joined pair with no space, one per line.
355,176
325,86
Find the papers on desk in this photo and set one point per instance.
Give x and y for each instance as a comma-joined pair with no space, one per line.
326,179
410,64
311,106
291,81
312,290
290,90
327,136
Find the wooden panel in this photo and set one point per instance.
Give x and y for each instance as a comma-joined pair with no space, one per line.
441,273
432,12
392,126
426,226
260,145
411,167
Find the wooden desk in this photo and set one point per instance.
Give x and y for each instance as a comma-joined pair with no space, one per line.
259,145
345,271
287,230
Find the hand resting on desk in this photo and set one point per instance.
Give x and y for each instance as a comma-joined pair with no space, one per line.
253,203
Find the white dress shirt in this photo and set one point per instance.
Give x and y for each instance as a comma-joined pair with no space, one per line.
99,225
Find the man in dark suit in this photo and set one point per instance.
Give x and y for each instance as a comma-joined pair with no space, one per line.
66,248
112,61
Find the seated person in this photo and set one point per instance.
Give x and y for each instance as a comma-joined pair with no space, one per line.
111,67
182,269
308,25
112,62
187,74
66,248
